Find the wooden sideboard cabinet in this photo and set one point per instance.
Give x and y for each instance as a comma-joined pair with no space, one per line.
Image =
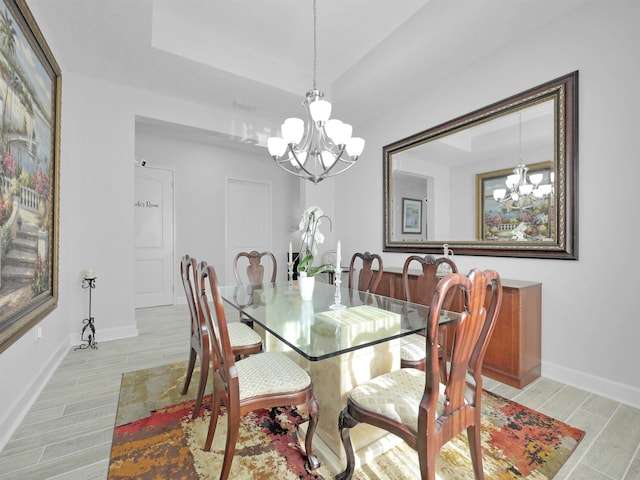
513,354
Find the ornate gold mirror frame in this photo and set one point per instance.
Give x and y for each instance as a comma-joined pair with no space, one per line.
499,181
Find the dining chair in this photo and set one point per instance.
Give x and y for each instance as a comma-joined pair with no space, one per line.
367,279
244,340
254,273
255,269
412,347
414,404
265,380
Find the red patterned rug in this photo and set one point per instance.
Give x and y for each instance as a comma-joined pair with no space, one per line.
162,442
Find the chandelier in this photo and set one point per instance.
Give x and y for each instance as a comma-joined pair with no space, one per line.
323,147
523,192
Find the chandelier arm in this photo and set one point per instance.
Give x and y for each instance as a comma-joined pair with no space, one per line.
302,164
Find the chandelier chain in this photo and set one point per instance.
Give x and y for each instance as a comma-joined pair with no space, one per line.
315,43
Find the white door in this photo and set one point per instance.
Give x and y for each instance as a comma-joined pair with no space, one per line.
154,266
248,219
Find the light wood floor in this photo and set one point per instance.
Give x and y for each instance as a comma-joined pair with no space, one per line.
67,433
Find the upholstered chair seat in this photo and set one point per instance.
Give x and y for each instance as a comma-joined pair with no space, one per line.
240,335
270,373
412,348
395,395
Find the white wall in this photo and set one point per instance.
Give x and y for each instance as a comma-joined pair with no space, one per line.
590,329
201,172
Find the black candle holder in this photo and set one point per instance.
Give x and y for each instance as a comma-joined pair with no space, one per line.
89,329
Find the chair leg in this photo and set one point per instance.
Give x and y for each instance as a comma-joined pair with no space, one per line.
427,457
345,423
192,364
233,428
202,383
475,449
246,320
314,415
216,403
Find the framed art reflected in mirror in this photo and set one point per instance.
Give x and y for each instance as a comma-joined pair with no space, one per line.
508,209
411,215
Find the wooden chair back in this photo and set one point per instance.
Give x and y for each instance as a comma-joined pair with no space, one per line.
199,339
223,356
257,370
187,270
367,279
422,290
443,410
425,284
255,270
470,339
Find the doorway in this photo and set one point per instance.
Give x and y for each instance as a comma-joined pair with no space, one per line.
153,233
248,219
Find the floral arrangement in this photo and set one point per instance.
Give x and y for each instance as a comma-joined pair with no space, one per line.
310,238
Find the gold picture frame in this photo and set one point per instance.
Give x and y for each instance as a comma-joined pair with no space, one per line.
29,173
499,223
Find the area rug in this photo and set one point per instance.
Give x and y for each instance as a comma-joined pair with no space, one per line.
155,438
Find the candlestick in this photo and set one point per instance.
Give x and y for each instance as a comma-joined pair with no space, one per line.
337,297
290,267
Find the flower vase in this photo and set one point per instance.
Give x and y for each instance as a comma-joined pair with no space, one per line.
305,285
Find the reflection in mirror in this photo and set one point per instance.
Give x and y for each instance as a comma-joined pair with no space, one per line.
498,181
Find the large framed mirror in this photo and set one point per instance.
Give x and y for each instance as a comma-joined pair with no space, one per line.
499,181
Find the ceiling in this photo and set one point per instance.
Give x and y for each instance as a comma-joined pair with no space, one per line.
255,57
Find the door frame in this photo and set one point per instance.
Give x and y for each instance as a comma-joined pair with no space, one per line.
172,235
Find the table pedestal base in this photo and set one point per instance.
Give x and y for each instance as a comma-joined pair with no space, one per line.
334,378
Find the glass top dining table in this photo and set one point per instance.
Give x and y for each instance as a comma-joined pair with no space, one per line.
316,329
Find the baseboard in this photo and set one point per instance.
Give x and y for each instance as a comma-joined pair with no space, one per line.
104,335
598,385
15,416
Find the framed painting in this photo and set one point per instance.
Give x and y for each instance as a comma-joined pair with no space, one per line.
510,212
30,83
411,215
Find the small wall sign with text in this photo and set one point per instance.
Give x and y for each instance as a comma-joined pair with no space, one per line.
146,204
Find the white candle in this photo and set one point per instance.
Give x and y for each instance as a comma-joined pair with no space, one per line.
290,253
338,255
89,273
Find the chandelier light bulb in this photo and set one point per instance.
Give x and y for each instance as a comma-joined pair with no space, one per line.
499,193
276,146
320,111
355,146
525,189
338,132
293,130
536,178
331,128
545,189
512,180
